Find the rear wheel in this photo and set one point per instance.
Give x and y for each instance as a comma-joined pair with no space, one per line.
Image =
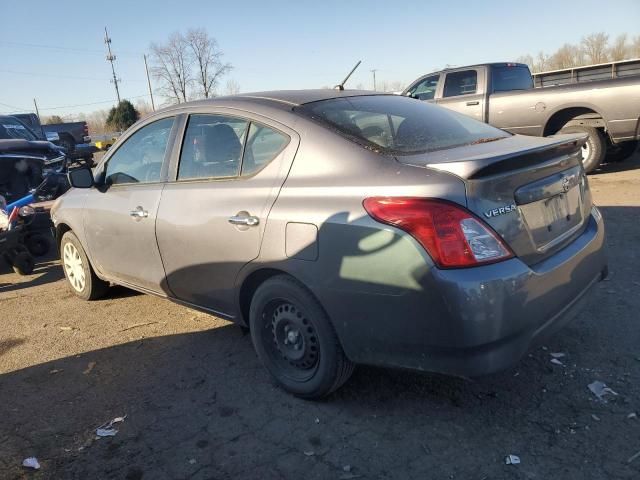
82,279
295,340
38,244
594,149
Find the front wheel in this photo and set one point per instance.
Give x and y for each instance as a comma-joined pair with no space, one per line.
82,279
594,149
295,340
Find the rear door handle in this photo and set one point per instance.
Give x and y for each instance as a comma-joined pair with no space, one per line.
138,213
250,220
471,104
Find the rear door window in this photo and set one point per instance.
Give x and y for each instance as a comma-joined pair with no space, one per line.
140,158
506,79
212,147
460,83
263,145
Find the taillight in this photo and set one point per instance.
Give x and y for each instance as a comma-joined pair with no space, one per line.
86,130
450,234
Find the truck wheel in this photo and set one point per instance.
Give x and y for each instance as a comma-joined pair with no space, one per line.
622,151
295,340
82,279
23,263
38,244
594,149
68,145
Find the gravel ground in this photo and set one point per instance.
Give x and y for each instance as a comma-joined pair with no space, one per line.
199,405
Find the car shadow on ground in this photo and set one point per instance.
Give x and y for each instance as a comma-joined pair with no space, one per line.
631,163
200,405
47,270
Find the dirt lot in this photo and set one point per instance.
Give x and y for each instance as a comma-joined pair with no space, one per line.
200,406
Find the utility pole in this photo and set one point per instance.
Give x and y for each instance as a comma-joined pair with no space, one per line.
374,78
35,104
153,106
111,58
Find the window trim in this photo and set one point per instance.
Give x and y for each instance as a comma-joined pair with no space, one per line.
444,83
101,168
239,175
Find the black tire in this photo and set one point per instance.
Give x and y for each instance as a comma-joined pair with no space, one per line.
23,263
621,151
38,244
93,287
69,146
280,307
596,145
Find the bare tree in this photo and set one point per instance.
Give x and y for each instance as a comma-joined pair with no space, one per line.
207,57
567,56
595,47
232,87
619,49
542,62
634,48
171,66
527,60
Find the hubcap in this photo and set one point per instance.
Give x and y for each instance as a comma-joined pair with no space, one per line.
294,337
586,152
73,267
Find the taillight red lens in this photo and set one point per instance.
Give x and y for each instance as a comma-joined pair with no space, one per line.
452,235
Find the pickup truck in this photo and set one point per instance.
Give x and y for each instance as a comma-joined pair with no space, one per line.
71,134
503,94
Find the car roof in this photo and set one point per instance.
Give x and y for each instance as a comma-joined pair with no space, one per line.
280,98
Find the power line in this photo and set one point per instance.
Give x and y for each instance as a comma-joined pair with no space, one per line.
92,103
12,107
58,47
54,75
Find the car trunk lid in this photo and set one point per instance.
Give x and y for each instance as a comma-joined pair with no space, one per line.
531,191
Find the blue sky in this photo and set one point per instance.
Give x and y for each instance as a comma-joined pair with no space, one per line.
277,45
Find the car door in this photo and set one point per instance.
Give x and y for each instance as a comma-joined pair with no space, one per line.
120,213
463,93
212,216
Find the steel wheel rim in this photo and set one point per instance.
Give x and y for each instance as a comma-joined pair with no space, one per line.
73,267
290,340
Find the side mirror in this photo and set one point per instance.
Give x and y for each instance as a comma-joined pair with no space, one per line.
81,178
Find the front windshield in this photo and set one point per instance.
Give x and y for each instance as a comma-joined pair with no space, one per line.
399,125
13,129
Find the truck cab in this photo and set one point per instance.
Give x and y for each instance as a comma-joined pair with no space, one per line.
503,94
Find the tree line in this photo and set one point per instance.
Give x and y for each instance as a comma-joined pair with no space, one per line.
592,49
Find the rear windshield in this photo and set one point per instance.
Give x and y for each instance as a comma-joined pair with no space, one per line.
506,79
13,129
399,125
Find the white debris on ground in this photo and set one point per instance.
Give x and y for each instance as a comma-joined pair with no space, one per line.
512,460
600,389
108,429
31,462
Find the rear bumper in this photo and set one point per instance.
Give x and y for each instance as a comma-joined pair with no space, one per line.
474,321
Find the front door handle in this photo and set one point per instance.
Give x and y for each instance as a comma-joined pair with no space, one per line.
471,104
250,220
138,213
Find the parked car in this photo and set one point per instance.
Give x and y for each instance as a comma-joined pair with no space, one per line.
342,227
602,102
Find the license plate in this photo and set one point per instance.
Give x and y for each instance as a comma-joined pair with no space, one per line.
552,217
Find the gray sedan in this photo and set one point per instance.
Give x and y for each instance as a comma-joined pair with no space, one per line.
342,227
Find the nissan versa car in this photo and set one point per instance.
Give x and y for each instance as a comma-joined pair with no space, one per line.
342,227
